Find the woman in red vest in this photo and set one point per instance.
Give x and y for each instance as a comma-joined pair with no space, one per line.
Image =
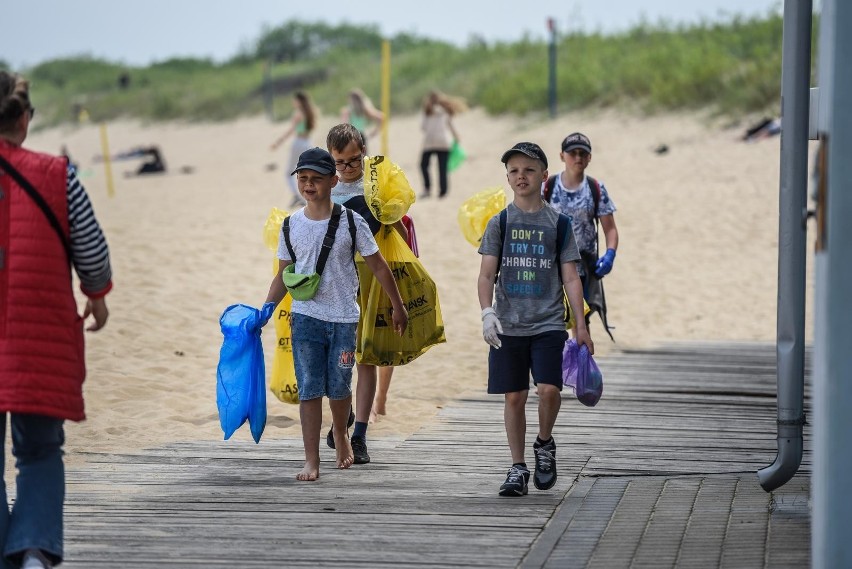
46,226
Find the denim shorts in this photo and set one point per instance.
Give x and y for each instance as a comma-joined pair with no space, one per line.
509,367
323,353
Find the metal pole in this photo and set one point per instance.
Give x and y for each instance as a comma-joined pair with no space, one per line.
792,233
551,86
832,457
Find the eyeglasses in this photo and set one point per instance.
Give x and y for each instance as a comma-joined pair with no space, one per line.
340,166
577,152
32,112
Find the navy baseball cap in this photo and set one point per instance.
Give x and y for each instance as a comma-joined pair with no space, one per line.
315,159
577,140
530,149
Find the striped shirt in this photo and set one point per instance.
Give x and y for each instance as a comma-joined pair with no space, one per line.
88,245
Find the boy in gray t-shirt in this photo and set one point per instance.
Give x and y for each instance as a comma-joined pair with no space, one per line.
526,328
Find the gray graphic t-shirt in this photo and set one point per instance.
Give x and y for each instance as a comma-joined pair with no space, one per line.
528,294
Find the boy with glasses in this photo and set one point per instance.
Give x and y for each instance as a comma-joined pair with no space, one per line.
586,201
346,145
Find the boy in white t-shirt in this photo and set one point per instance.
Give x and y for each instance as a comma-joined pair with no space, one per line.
323,327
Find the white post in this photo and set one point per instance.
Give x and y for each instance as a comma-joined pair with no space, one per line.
831,546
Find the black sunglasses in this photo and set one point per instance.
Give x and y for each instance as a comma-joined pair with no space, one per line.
32,112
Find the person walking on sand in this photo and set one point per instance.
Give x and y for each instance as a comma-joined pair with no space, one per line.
48,227
586,201
438,136
361,113
346,146
324,325
522,275
302,123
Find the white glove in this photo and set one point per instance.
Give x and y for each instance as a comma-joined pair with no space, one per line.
491,327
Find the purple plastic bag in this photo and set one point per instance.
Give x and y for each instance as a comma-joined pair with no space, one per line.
569,363
589,379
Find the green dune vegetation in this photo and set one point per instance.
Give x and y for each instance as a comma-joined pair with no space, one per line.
730,67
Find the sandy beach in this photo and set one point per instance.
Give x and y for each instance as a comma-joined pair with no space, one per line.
697,258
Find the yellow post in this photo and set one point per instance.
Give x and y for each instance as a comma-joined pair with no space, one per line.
107,161
385,94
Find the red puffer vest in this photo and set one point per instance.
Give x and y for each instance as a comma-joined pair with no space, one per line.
42,364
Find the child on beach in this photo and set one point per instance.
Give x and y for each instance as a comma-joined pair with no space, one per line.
526,268
323,327
587,202
302,122
346,145
360,112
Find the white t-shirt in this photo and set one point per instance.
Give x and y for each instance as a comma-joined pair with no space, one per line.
335,300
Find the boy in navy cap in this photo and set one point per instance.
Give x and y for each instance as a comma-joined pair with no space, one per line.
323,327
529,256
586,201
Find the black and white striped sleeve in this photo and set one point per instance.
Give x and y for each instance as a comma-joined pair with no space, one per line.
89,250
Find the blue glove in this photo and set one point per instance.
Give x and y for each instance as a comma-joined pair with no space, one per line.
266,312
604,264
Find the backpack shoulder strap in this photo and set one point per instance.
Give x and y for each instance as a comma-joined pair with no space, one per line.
548,187
328,240
352,229
503,217
595,186
563,226
285,229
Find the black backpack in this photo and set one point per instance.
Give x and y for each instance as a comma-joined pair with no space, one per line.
593,184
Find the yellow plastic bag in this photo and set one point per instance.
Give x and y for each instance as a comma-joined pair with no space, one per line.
377,343
571,322
386,189
283,382
476,210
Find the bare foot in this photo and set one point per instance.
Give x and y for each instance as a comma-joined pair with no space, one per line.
379,406
343,448
309,473
373,416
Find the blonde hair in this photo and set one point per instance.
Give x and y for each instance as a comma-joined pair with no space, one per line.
453,105
14,100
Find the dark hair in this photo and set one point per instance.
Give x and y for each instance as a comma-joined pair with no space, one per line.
14,99
341,135
307,109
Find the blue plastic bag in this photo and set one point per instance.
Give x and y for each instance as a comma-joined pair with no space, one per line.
241,375
589,379
570,354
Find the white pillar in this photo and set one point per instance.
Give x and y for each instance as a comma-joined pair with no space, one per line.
831,546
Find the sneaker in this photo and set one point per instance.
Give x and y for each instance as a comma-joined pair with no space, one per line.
35,559
545,465
359,449
329,438
516,482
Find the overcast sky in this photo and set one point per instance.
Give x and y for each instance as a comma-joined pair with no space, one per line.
139,33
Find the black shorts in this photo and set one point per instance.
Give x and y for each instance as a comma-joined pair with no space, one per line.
509,367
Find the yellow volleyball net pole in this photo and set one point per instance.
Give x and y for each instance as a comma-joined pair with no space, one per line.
386,52
107,161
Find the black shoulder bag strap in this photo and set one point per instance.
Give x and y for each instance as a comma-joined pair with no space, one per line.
40,202
327,242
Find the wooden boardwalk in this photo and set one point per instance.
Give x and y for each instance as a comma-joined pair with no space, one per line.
660,474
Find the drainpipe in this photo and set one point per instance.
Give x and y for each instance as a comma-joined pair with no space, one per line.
792,232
